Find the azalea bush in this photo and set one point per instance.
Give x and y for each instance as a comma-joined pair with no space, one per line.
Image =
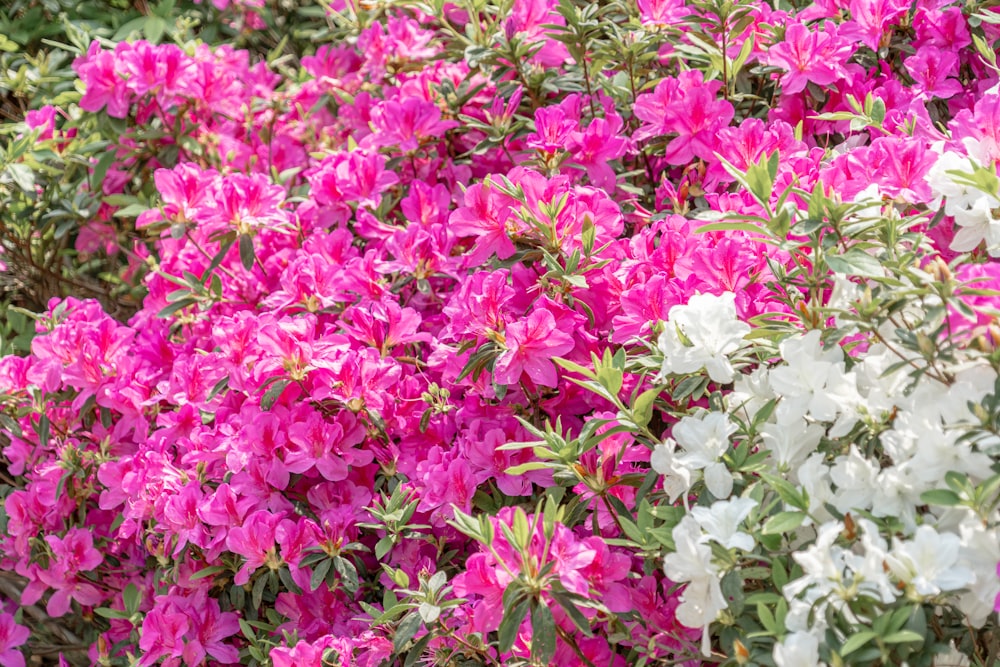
501,333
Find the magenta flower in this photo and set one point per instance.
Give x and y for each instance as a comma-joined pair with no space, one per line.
71,555
105,87
486,215
933,70
255,541
687,107
12,635
163,634
531,344
554,124
874,17
810,55
408,123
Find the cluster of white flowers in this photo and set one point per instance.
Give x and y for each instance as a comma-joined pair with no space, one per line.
974,204
702,335
856,438
702,600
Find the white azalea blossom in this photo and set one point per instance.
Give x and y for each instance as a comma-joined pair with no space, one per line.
929,562
798,649
703,441
791,443
974,210
721,522
691,563
979,553
701,335
856,454
953,658
813,382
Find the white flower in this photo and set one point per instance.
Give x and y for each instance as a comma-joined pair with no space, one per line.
705,440
791,443
813,381
980,553
897,492
867,564
721,522
702,599
701,334
855,478
929,562
978,224
677,478
751,392
943,184
822,565
953,658
799,649
814,476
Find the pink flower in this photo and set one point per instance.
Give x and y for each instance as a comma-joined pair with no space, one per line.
71,555
248,202
932,69
595,147
553,125
12,635
810,55
105,87
687,107
255,541
408,123
486,216
875,16
163,635
530,346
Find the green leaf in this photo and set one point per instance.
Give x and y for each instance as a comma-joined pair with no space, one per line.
273,393
428,612
219,256
128,28
527,467
23,176
247,255
942,497
382,547
579,620
131,211
44,430
510,624
786,491
733,590
257,594
574,367
176,306
153,28
208,572
285,575
855,262
543,633
101,170
856,641
642,409
348,573
405,631
416,652
730,227
902,637
782,522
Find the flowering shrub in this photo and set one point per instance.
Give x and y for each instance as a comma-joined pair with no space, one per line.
510,334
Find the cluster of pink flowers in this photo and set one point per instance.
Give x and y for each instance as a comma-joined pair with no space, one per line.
345,295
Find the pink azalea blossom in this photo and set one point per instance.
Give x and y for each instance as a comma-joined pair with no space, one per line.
530,345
